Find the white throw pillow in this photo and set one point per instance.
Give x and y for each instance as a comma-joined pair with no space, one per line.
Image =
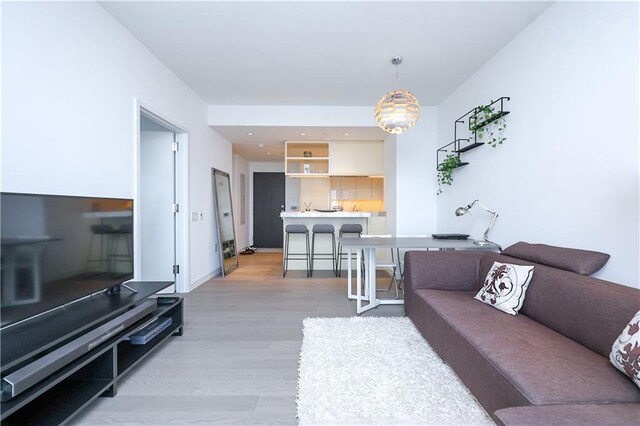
505,287
625,353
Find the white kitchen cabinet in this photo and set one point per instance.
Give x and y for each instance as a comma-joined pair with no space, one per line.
356,158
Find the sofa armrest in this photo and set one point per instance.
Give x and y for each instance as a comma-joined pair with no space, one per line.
442,270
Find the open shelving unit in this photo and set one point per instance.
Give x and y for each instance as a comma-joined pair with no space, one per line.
63,394
462,145
307,159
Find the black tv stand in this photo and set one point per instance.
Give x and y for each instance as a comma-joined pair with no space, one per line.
66,392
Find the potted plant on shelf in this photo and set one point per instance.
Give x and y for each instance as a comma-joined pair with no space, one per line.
445,170
486,122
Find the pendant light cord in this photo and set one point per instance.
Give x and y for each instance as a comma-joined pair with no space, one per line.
396,77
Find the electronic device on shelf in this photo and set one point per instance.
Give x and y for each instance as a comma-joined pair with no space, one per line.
450,236
57,249
164,300
146,334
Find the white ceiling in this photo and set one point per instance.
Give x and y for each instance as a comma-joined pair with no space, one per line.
273,138
322,53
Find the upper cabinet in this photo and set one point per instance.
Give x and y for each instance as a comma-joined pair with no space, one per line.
356,158
340,158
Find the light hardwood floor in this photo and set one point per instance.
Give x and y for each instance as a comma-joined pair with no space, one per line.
238,358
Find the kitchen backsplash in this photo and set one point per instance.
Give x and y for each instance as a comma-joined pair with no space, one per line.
361,205
363,193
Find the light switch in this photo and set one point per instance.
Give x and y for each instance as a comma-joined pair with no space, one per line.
195,216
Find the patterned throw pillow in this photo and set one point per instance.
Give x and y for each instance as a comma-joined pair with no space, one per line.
505,286
625,353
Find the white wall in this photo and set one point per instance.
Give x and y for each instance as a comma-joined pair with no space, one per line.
416,177
259,167
71,74
568,175
241,166
390,171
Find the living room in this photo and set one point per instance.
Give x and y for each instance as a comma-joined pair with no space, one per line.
80,78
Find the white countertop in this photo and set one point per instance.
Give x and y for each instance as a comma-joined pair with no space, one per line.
332,214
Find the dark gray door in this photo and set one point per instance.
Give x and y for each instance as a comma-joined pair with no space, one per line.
268,201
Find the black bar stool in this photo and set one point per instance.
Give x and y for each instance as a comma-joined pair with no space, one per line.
346,229
328,230
286,256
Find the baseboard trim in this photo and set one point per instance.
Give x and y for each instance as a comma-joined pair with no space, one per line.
204,279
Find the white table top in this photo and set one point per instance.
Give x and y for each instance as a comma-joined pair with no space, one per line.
413,242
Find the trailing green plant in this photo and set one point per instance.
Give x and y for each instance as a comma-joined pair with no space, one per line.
484,124
445,170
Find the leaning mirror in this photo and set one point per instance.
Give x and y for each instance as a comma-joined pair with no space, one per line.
224,215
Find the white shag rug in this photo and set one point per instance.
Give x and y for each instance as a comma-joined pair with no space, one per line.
377,371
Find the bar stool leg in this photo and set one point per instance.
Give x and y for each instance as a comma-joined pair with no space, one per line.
308,255
313,249
333,250
339,259
285,255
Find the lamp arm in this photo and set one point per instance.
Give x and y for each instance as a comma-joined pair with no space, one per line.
481,204
493,221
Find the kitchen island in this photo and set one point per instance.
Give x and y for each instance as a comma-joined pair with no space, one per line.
372,222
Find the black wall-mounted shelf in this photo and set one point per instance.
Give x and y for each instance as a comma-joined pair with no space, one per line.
491,119
459,165
462,145
470,147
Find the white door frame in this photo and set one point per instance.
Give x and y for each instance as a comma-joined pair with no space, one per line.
182,190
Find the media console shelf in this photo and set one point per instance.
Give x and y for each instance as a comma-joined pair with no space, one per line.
63,394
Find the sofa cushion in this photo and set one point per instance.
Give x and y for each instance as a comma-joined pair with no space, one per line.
542,365
582,262
573,414
505,287
625,352
588,310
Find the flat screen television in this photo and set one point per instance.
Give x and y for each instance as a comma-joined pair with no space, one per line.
59,249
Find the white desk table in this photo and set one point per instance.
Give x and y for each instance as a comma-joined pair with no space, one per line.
368,247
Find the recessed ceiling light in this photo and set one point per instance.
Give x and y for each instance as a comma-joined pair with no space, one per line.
346,134
303,134
250,133
268,153
260,145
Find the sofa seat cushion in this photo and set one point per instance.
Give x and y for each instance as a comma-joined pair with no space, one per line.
541,364
572,414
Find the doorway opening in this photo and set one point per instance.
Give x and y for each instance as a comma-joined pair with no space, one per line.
161,228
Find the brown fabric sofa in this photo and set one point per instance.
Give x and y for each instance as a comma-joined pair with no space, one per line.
554,352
